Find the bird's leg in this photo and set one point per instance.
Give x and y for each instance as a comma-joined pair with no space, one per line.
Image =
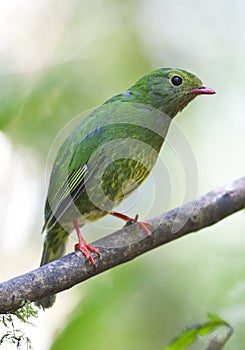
83,246
130,220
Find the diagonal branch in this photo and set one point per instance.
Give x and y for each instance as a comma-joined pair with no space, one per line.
122,246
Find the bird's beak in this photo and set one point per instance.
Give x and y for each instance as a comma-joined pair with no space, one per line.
203,90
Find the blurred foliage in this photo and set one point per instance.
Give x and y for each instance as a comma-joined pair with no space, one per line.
36,104
222,331
12,333
122,309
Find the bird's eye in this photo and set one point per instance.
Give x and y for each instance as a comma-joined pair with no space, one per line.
176,80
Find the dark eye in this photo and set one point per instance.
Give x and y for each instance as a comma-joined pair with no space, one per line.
176,80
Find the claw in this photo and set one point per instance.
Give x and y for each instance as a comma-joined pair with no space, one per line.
85,248
144,225
130,220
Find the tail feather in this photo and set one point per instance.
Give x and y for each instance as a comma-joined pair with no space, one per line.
53,248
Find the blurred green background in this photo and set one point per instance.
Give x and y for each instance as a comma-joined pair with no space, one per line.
58,59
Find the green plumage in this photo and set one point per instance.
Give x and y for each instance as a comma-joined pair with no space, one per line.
110,153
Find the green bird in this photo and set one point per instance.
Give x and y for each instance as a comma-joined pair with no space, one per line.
108,155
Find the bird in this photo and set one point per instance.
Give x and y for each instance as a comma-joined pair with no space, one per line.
108,155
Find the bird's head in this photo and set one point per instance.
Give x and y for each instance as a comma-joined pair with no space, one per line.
169,90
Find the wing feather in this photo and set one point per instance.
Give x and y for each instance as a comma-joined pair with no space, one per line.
66,195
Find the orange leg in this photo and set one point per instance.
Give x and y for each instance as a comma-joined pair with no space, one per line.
142,224
85,248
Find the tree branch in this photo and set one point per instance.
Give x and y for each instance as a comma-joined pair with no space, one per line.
122,246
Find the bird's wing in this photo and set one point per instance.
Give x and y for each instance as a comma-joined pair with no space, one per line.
71,172
71,185
73,167
68,192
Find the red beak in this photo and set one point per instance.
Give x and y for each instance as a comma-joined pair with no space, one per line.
203,90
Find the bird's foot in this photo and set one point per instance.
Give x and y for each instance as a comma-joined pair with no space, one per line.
129,221
85,248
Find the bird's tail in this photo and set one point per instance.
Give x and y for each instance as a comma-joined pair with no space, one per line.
53,248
